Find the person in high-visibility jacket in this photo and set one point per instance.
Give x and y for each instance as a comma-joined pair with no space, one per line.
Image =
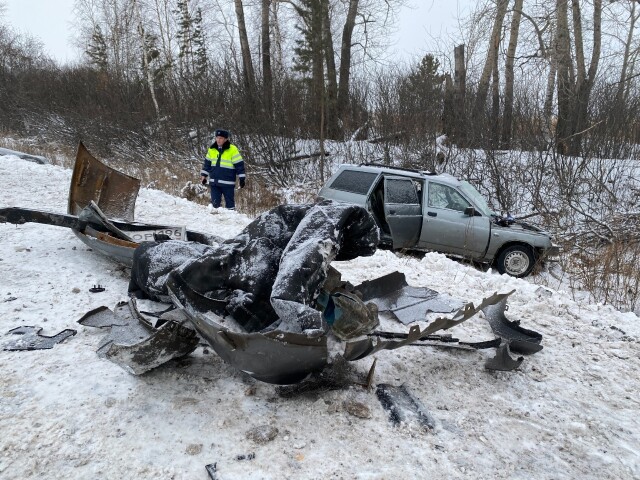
221,166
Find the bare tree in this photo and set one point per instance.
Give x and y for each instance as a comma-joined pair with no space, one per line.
345,59
162,14
147,56
278,49
331,92
623,86
507,119
454,124
267,73
575,83
490,64
551,78
117,21
247,63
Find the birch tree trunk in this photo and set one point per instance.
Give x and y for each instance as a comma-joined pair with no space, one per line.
492,53
267,74
345,59
459,95
247,64
317,66
578,40
277,37
145,61
551,80
455,118
623,87
507,117
330,117
565,89
586,80
495,104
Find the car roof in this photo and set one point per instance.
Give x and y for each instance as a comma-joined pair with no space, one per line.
405,172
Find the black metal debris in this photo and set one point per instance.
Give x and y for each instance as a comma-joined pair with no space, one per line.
31,339
134,343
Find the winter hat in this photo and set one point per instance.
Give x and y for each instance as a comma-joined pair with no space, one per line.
222,133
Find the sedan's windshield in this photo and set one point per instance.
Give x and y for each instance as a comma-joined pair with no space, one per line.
475,196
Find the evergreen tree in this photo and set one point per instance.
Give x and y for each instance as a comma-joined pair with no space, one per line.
309,46
310,57
421,96
201,62
97,50
192,49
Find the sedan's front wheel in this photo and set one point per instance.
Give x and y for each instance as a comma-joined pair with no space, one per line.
517,261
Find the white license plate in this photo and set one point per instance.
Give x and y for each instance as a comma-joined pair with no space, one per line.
175,233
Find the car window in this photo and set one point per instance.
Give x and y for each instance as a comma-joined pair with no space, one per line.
354,182
401,191
444,196
476,197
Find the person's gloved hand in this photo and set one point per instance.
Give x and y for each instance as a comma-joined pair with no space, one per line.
203,180
242,182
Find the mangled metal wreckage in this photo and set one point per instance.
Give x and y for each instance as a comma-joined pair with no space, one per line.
267,301
100,211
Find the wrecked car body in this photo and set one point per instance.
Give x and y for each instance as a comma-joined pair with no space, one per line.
254,298
425,211
100,212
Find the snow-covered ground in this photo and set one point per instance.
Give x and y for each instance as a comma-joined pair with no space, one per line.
571,410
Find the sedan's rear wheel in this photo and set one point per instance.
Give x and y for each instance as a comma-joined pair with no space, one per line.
517,261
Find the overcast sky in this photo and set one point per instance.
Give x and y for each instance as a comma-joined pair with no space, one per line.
49,21
52,22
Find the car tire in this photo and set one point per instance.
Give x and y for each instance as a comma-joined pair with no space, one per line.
516,260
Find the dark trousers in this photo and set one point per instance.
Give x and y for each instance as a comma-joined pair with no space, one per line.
218,191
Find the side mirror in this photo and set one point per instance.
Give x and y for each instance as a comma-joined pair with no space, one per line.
471,212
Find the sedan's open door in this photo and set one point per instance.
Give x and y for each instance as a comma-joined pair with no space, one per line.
403,211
